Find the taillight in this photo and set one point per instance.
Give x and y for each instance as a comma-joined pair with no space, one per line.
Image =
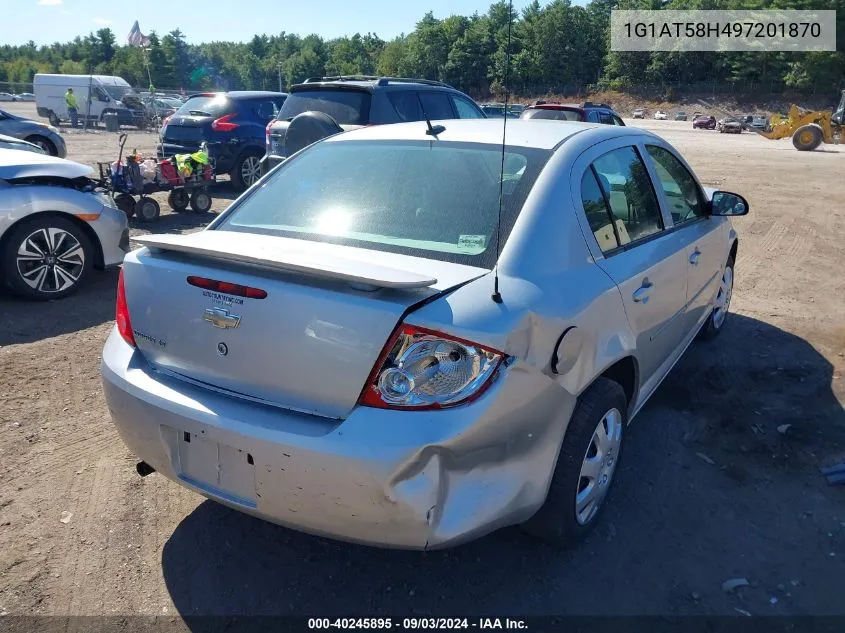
224,124
164,123
227,288
121,316
423,369
267,132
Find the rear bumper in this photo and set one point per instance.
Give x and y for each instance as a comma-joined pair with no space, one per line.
406,480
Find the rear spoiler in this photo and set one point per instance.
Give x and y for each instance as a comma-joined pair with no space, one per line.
289,255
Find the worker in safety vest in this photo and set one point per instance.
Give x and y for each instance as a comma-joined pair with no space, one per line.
72,108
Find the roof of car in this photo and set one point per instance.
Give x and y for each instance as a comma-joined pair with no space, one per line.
369,83
243,94
520,133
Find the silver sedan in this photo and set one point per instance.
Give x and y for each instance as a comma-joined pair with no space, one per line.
410,336
54,226
45,136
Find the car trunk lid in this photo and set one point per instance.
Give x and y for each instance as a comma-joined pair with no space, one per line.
309,345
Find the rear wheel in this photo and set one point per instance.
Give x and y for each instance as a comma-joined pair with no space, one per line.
178,200
44,143
125,203
46,258
147,209
808,137
200,201
588,459
247,169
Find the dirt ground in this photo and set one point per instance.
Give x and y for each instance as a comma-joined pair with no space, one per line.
709,489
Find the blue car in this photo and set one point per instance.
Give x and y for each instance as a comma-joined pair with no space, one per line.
233,126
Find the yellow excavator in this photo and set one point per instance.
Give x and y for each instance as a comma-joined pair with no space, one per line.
808,129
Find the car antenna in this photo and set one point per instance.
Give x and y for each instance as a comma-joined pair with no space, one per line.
433,130
497,296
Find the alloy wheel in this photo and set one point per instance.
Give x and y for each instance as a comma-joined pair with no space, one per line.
598,466
50,260
250,170
723,298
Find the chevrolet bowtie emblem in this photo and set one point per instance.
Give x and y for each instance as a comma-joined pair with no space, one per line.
218,317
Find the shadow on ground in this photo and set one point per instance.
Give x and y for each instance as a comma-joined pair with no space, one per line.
28,321
677,527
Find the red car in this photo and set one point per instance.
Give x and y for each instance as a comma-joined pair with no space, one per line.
704,122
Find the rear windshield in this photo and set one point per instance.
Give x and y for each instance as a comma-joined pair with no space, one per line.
347,107
434,200
214,105
553,115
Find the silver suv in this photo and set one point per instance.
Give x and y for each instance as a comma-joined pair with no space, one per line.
322,106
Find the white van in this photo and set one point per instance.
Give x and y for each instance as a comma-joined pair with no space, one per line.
106,94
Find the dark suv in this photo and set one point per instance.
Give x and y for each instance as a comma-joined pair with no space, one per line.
322,106
588,112
231,123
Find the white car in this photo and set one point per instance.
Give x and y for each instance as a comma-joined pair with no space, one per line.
5,96
660,115
54,225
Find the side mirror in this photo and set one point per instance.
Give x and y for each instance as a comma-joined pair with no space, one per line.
724,203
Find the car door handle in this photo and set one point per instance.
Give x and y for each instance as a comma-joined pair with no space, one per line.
641,294
693,259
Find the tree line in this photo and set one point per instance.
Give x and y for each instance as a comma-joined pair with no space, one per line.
556,47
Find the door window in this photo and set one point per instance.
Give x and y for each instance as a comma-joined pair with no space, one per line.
436,105
685,200
627,187
467,110
604,117
593,116
595,208
406,103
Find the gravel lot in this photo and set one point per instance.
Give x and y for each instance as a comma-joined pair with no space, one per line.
709,489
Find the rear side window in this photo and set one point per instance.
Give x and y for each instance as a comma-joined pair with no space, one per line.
265,109
553,115
406,104
347,107
605,118
626,185
595,209
436,105
214,105
467,110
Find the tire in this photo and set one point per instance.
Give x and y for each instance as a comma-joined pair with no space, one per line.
808,137
147,209
125,203
247,169
44,143
719,315
53,119
603,404
46,257
200,201
178,200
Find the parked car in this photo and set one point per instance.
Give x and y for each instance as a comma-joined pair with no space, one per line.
55,226
349,350
729,125
639,113
516,108
45,136
107,94
25,96
704,122
660,115
5,96
587,112
233,126
760,123
323,106
498,110
680,116
10,142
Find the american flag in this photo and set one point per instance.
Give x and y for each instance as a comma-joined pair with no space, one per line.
136,38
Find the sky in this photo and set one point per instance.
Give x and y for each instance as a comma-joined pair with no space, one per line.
48,21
